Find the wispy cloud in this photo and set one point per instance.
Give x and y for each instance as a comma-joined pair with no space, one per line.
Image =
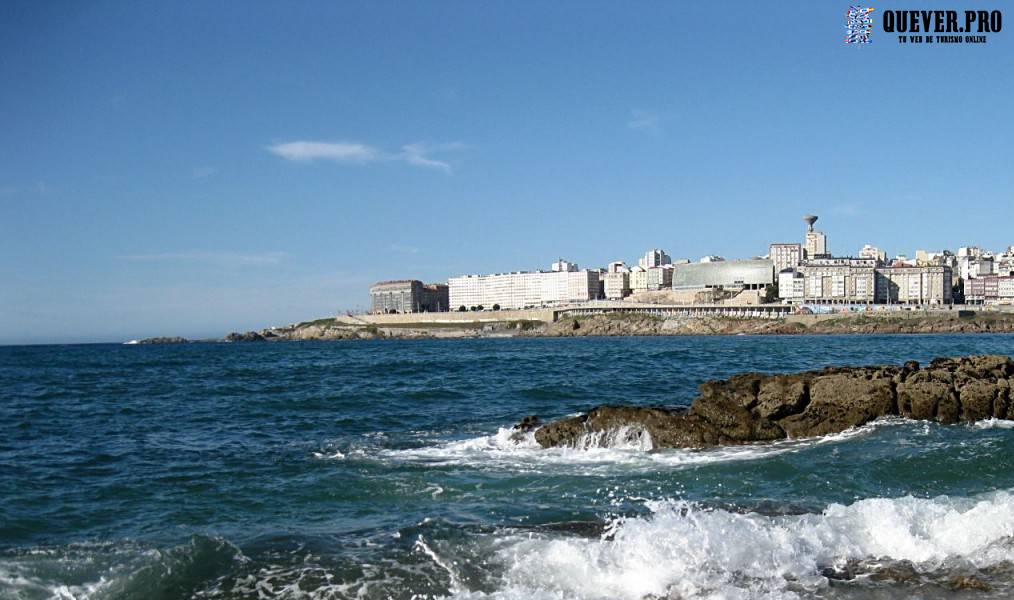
336,151
643,120
418,154
222,259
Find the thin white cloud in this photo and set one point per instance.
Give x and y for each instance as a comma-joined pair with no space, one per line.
643,120
336,151
418,154
223,259
403,249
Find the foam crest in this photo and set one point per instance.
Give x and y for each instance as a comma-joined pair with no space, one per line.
993,423
626,447
621,438
684,551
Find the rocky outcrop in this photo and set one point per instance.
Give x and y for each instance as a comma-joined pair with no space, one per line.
250,336
164,340
878,322
754,407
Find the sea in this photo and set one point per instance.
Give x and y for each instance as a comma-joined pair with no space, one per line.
387,469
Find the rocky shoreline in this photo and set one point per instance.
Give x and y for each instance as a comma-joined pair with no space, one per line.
754,407
333,329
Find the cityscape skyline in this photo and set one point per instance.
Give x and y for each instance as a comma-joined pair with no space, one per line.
806,273
160,177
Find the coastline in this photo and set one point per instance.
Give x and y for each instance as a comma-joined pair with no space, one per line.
628,324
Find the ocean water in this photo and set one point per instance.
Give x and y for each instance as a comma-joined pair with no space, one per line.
385,469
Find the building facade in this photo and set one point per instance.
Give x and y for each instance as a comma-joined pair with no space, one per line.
991,289
869,251
654,258
638,279
659,278
816,245
785,256
734,274
523,289
790,285
408,296
617,285
914,285
839,280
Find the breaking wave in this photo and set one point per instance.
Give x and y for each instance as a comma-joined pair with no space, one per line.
629,447
684,551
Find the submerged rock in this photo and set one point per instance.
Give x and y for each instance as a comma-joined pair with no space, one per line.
754,407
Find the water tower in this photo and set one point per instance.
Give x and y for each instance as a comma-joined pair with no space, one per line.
809,220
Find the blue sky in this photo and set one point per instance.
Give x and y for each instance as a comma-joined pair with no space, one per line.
197,168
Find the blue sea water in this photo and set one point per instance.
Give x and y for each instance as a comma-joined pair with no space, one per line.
386,469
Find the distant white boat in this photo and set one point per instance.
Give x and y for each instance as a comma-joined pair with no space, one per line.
131,342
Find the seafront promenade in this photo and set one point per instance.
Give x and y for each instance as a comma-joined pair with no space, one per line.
760,311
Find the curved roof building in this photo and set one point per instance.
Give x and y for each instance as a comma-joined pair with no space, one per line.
747,274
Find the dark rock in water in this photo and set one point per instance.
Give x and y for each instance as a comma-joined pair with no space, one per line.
753,407
969,582
528,423
165,340
250,336
899,572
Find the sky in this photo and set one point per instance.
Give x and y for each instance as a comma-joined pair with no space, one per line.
195,168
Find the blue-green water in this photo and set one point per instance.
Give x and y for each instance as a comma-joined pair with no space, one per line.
385,470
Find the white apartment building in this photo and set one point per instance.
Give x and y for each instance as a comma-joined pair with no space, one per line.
617,266
785,256
654,258
1005,289
816,245
870,251
638,279
617,285
839,280
914,285
659,278
523,289
790,285
563,265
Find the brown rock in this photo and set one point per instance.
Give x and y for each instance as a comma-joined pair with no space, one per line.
977,400
841,401
1001,404
948,409
754,407
919,400
782,395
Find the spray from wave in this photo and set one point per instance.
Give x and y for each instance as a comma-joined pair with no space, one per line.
684,551
625,447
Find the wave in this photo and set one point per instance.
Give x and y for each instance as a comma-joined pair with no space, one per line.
994,424
626,447
115,569
684,551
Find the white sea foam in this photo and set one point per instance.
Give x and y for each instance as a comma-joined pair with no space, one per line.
684,551
994,424
336,455
628,447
